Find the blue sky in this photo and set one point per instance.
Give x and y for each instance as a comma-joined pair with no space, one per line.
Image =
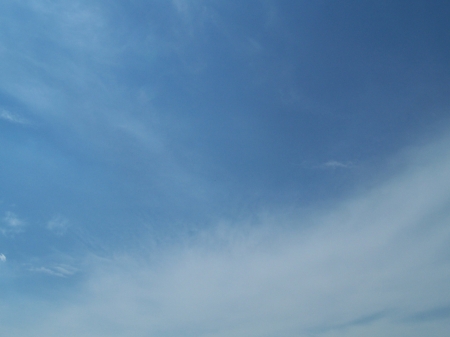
224,168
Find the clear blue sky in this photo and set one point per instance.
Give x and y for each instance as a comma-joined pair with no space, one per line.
215,168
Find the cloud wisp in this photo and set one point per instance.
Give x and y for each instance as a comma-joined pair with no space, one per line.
12,118
12,224
337,164
58,225
57,270
366,266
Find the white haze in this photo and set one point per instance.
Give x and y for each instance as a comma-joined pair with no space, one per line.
377,264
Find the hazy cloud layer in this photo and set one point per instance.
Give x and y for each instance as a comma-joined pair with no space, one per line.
376,263
221,168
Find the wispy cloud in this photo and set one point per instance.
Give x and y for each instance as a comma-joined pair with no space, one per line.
12,224
376,264
362,267
12,118
58,225
57,270
329,165
337,164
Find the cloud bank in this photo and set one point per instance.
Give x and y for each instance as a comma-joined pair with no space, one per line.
375,264
165,110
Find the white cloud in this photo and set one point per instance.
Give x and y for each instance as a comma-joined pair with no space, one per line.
329,165
2,258
367,267
337,164
12,118
12,224
58,225
57,270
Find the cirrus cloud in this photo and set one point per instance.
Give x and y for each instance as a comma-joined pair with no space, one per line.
371,265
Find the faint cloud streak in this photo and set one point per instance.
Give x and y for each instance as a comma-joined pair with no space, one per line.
12,118
12,224
357,268
58,225
58,270
332,164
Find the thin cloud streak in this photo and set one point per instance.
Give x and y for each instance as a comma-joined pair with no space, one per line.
337,164
12,118
58,225
12,224
362,267
58,270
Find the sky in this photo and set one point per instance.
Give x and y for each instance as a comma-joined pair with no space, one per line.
216,168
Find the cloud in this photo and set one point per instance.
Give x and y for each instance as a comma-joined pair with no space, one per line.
71,31
337,164
58,225
12,224
329,165
375,264
12,118
2,258
58,270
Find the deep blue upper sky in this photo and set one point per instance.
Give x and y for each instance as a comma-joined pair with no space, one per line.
130,128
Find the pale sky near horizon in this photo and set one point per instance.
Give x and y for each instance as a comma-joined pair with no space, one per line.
214,168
